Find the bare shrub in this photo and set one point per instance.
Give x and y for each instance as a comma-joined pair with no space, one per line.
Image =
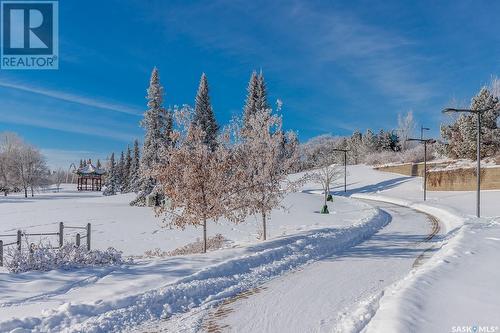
213,243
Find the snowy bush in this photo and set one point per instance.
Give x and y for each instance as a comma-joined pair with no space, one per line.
411,155
43,257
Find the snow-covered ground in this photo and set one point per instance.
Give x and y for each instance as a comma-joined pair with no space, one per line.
114,298
455,289
135,230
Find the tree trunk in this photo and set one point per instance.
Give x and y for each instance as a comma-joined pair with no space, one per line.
32,194
25,192
264,231
204,235
325,197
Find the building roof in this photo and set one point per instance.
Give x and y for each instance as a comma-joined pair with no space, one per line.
90,169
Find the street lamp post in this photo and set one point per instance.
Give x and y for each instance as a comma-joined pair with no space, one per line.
478,151
345,166
425,142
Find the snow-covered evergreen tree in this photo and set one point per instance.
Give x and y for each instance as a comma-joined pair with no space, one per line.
406,128
126,171
261,102
204,116
370,142
120,174
355,145
158,125
110,182
250,107
460,136
98,165
134,169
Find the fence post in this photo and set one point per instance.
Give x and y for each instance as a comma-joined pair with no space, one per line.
88,236
19,235
61,234
1,253
78,240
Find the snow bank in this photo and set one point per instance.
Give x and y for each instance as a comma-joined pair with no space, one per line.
206,287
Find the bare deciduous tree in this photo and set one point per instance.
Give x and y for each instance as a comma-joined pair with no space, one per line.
268,156
200,184
325,176
58,177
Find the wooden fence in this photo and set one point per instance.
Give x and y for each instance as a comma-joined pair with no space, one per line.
20,234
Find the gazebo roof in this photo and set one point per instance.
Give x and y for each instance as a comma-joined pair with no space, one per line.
90,169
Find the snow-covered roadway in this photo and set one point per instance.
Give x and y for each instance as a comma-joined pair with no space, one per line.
340,292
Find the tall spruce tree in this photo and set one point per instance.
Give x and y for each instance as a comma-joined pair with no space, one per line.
250,107
126,171
111,181
261,102
158,125
120,168
134,169
460,136
204,116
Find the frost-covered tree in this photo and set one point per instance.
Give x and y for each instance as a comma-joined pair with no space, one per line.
21,165
9,148
327,173
126,171
312,151
355,147
201,184
370,142
157,123
98,164
120,172
29,168
256,99
406,128
134,169
58,177
250,107
389,141
111,182
460,136
261,93
266,169
204,116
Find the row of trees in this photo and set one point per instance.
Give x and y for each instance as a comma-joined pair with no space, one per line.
22,166
123,175
202,172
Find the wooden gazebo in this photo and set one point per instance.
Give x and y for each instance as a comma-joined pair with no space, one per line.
89,177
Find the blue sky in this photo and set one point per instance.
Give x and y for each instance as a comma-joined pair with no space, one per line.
337,66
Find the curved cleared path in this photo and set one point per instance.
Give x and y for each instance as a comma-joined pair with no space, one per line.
327,294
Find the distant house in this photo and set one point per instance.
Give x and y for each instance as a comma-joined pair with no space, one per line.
89,177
